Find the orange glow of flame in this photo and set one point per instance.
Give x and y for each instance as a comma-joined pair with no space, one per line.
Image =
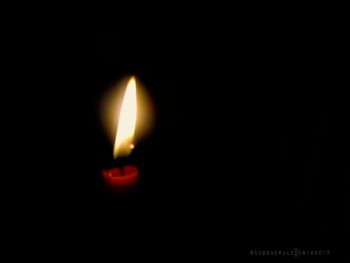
127,121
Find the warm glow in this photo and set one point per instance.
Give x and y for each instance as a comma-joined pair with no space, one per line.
127,122
116,103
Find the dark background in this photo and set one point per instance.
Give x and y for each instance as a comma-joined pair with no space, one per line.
248,139
248,150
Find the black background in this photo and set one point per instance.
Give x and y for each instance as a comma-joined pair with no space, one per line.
248,150
246,141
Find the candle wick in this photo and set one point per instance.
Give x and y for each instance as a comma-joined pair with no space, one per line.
122,163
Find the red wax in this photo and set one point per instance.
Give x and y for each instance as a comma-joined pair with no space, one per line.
122,179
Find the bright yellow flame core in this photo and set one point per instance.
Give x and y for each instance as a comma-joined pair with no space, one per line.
127,122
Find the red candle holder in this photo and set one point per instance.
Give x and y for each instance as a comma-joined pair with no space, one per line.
122,181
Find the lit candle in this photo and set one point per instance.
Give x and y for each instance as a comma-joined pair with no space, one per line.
124,179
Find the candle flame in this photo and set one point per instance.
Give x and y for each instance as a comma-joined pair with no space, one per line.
127,121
